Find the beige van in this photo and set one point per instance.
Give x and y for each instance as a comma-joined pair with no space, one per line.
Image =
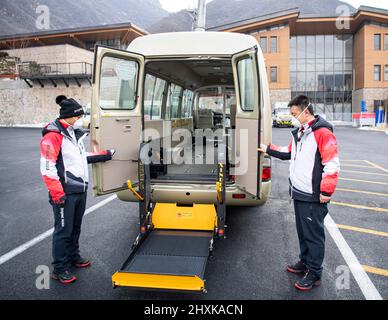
164,89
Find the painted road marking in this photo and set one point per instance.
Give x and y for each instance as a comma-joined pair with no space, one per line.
362,191
380,272
365,181
376,166
366,285
363,230
358,206
364,172
15,252
356,166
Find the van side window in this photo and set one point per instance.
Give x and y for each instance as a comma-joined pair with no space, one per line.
118,83
153,97
172,105
187,102
245,69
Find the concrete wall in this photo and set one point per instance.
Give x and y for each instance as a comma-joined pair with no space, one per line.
369,95
63,53
20,104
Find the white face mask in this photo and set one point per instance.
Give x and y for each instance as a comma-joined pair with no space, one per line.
295,121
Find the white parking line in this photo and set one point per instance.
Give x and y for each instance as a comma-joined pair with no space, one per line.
366,285
8,256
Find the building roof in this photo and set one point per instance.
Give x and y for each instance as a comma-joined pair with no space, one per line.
373,9
188,43
309,23
265,17
126,32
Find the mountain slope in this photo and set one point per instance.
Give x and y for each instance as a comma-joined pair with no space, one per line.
19,16
220,12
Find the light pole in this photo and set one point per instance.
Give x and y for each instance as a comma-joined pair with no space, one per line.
200,16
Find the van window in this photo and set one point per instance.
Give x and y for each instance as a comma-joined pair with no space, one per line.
230,100
172,105
118,83
211,98
187,102
153,97
246,84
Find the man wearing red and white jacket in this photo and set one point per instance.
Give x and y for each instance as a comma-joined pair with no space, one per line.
64,167
313,176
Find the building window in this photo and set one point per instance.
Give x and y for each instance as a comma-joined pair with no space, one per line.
377,72
263,44
377,41
274,44
274,74
386,72
386,41
321,67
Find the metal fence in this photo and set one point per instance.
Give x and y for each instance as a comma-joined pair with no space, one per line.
33,69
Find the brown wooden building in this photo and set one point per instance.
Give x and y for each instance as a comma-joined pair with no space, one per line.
336,61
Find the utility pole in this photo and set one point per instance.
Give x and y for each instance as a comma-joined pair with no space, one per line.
200,16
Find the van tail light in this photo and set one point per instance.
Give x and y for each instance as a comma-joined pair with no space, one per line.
238,196
266,174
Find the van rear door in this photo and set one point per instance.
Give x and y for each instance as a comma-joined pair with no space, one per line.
246,79
116,120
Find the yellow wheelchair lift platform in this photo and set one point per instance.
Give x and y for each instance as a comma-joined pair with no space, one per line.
175,241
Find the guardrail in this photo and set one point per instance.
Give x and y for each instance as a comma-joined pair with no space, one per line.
50,70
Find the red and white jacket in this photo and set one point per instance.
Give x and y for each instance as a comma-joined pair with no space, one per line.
314,162
64,160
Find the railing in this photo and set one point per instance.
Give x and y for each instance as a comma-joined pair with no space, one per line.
33,69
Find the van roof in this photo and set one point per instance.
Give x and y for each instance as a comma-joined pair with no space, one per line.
192,43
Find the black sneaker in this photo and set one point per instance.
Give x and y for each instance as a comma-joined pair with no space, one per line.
309,281
64,276
298,267
81,263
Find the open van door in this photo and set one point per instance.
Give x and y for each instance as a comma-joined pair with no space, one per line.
246,79
116,120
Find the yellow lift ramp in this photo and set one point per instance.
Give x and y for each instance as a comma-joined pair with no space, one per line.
175,241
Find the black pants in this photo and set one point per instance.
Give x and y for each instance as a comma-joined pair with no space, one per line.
67,229
311,233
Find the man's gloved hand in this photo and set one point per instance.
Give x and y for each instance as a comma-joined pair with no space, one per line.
60,202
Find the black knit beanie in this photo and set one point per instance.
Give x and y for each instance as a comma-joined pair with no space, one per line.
69,107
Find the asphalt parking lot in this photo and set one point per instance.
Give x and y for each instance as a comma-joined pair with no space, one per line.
249,264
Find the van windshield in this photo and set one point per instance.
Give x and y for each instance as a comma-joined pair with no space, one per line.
213,99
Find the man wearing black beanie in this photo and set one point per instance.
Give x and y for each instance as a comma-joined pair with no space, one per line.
64,167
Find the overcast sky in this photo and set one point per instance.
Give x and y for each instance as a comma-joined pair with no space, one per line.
176,5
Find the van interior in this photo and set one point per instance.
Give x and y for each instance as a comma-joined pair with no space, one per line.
191,95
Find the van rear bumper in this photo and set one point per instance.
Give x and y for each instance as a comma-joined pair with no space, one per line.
198,193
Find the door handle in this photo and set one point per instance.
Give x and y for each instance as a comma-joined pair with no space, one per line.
121,120
127,128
